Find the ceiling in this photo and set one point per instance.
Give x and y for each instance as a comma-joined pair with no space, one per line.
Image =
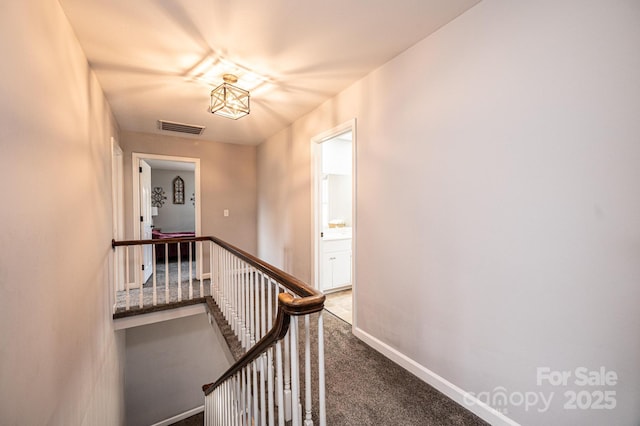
146,54
183,166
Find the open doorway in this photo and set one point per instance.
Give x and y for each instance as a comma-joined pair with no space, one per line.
334,218
166,194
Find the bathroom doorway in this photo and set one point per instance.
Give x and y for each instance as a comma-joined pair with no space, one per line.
334,216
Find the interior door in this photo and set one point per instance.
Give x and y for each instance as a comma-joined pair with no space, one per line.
146,220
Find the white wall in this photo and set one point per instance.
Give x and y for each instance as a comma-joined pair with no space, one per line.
167,364
510,171
174,217
61,363
340,199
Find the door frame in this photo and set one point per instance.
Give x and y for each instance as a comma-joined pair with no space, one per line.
117,225
135,190
316,168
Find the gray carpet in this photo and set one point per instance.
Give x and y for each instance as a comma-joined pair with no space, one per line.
147,291
366,388
363,387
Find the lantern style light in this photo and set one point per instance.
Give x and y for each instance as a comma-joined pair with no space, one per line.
228,100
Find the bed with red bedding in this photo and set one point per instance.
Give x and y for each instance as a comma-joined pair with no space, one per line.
156,234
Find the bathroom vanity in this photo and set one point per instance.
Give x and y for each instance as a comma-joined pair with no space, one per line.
336,258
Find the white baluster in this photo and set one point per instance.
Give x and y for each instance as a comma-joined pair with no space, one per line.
252,309
247,393
263,391
213,271
201,267
225,285
287,373
190,272
263,306
140,275
232,292
236,297
227,405
228,290
211,406
279,390
295,376
242,299
247,304
154,272
116,276
242,395
249,398
321,383
254,387
127,274
179,273
166,273
218,399
307,373
237,399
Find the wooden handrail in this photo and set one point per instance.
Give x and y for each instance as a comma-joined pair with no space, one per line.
292,283
310,300
277,332
115,243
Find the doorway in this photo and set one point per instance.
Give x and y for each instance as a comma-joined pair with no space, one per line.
155,206
333,154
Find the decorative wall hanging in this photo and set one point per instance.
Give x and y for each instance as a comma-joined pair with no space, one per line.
178,190
157,197
193,199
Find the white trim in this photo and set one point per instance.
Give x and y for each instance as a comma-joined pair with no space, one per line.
315,228
179,417
135,160
479,408
159,316
135,191
117,208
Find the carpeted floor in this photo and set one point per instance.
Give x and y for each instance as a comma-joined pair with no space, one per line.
366,388
363,387
161,298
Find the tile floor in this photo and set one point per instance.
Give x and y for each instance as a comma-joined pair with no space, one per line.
340,304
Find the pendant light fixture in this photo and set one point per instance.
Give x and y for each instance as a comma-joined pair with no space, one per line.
228,100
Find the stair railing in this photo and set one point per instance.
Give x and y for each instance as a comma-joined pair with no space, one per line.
263,306
133,292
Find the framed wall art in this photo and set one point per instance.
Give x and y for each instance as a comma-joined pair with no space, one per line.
178,190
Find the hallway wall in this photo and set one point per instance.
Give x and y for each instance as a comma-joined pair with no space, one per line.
228,181
61,363
498,211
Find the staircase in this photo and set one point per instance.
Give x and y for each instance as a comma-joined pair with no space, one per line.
278,333
274,379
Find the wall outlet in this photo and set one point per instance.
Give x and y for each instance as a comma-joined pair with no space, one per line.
226,212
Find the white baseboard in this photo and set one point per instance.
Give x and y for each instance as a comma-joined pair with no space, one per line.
206,275
479,408
179,417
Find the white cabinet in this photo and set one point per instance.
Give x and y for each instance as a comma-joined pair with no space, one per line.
336,263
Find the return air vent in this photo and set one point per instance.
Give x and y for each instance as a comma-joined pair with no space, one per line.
171,126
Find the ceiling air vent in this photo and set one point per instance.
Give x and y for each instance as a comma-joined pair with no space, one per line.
171,126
